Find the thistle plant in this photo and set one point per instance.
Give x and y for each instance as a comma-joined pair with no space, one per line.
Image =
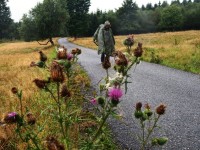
129,42
58,86
149,122
111,88
24,124
41,63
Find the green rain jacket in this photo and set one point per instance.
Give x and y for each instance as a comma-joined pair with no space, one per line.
105,40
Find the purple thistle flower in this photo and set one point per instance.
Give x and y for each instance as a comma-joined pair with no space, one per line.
115,93
93,101
69,56
11,118
12,114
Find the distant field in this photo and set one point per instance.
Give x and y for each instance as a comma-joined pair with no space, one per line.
180,50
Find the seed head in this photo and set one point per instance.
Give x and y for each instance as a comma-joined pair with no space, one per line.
138,51
53,144
30,119
40,83
14,90
43,57
160,110
65,92
120,59
57,72
147,106
62,54
106,63
138,106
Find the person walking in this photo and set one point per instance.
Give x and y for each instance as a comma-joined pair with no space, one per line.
104,39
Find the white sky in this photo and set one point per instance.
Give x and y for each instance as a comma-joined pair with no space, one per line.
20,7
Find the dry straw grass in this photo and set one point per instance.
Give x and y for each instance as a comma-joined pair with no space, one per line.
15,71
179,50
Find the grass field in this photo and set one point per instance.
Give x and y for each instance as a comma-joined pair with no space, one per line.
180,50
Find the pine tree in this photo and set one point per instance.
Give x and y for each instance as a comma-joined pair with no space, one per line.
5,20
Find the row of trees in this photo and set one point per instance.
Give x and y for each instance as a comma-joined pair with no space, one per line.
129,18
72,18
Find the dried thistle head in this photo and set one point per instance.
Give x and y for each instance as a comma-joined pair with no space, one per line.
53,144
78,51
74,51
62,54
30,118
147,106
65,92
160,110
138,106
106,63
43,57
40,83
120,59
138,51
14,90
57,72
33,64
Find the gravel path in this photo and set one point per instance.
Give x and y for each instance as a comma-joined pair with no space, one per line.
154,84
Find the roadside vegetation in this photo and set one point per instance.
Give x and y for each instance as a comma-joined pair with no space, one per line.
38,126
180,50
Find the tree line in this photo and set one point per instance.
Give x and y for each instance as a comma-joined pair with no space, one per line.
53,18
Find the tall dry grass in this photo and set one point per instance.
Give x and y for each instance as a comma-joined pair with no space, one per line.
15,71
179,50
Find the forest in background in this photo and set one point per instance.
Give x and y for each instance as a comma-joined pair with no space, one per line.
55,18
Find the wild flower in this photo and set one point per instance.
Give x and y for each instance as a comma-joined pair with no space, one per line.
65,92
57,72
41,83
138,51
33,64
106,63
93,101
160,110
138,106
69,56
14,90
30,118
11,117
115,93
53,144
43,57
120,59
149,124
62,54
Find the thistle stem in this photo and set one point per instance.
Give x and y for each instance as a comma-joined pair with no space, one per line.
150,131
59,110
100,128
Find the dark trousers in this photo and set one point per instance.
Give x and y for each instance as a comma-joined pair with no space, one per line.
102,57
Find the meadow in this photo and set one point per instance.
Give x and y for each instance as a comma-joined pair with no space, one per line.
180,50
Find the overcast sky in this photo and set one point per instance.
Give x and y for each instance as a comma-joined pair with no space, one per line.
20,7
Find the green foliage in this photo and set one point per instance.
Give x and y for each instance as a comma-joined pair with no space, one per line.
171,18
128,17
5,20
53,18
78,22
50,18
192,16
28,30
